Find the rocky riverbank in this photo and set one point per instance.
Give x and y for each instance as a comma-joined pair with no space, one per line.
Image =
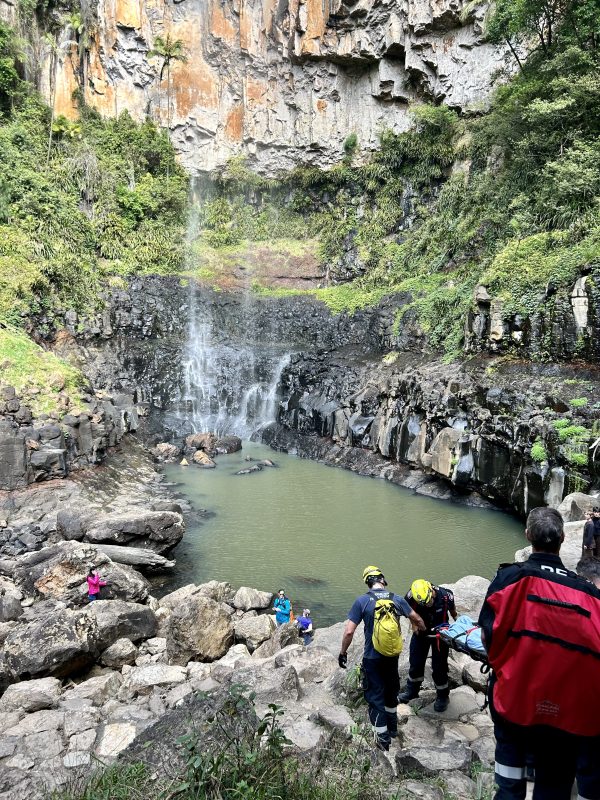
121,679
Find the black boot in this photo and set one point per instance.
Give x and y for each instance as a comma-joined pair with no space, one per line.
410,692
441,703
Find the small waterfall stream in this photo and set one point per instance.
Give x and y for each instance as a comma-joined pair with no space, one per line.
229,381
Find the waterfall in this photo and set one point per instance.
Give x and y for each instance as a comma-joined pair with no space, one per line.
230,378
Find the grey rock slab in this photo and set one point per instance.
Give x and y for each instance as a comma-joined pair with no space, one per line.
469,594
336,717
83,741
424,791
463,701
143,679
7,746
459,785
19,761
77,758
474,677
114,738
37,722
8,719
96,690
121,652
55,641
485,749
79,721
433,759
419,732
43,745
247,598
283,636
33,695
178,693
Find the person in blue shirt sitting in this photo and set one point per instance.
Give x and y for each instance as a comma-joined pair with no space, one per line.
305,626
283,608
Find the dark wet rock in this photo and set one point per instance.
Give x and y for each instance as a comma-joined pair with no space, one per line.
225,445
116,619
157,530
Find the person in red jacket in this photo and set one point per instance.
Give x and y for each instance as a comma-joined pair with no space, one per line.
95,583
541,627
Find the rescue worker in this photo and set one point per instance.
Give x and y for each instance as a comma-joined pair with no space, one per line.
589,547
434,604
541,625
380,673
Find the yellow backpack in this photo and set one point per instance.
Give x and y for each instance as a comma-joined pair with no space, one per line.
387,638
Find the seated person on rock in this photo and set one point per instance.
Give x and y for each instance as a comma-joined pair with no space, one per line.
305,626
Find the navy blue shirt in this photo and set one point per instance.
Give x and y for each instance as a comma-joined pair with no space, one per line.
363,610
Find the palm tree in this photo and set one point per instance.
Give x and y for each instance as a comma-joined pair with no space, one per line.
57,50
169,50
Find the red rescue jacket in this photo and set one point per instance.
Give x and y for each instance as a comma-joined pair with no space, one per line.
541,624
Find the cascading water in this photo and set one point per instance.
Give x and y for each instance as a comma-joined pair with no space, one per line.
229,381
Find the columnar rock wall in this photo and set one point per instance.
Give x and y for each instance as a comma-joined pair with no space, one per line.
283,82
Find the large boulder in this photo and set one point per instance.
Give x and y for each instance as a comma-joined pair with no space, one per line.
116,619
58,572
247,599
10,601
122,652
469,594
253,631
430,760
142,680
575,505
227,444
201,630
157,530
284,635
32,695
51,640
219,591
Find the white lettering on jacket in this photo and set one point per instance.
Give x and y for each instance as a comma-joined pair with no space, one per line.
557,570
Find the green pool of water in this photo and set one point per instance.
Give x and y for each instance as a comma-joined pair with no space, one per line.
311,529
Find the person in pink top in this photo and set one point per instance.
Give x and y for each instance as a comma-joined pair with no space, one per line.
95,583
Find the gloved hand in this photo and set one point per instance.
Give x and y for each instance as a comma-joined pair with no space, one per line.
342,660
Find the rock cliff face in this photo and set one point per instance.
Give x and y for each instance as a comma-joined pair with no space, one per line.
283,82
355,384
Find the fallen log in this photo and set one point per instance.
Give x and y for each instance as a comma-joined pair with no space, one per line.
134,556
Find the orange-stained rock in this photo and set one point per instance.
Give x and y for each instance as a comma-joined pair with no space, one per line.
128,13
256,91
321,104
234,127
67,82
220,26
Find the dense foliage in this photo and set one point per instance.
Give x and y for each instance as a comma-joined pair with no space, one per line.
111,200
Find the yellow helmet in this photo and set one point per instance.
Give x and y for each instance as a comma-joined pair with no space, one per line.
422,591
371,572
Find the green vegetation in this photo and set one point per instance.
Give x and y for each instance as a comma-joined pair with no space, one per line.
244,760
111,200
578,402
38,376
538,452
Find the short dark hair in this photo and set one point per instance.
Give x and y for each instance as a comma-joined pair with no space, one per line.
545,529
589,568
373,579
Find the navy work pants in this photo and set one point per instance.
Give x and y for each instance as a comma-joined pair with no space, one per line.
558,759
419,650
381,685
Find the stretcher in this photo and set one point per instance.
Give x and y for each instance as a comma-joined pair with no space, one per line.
464,636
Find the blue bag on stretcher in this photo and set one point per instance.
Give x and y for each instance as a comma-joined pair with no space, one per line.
464,634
